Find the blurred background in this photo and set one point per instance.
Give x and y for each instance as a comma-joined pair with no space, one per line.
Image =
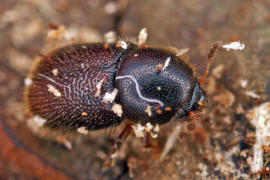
239,81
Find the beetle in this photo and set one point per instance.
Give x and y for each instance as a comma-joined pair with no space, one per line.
94,86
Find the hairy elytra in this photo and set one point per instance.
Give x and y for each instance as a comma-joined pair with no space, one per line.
100,85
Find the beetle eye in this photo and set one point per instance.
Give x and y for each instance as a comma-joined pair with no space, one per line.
201,102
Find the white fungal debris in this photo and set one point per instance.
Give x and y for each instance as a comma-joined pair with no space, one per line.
142,37
110,8
55,72
114,155
117,109
252,94
243,83
56,33
171,141
260,118
148,110
98,86
82,130
154,132
83,46
110,37
138,130
138,90
236,45
28,82
53,90
203,168
39,121
166,64
123,44
63,140
180,52
109,97
148,127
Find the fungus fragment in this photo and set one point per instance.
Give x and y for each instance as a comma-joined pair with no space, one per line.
171,141
117,109
56,33
142,37
110,37
236,45
98,87
82,130
53,90
154,132
148,110
243,83
260,118
252,94
166,64
148,127
138,130
55,72
123,44
110,8
39,121
109,97
180,52
28,82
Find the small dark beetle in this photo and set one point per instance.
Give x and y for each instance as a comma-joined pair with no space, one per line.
99,85
95,86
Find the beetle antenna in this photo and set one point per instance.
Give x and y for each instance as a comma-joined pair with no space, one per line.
211,54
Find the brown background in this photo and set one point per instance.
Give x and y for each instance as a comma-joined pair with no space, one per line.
194,24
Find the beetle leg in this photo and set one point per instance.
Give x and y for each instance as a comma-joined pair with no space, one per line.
194,117
145,140
117,144
122,136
